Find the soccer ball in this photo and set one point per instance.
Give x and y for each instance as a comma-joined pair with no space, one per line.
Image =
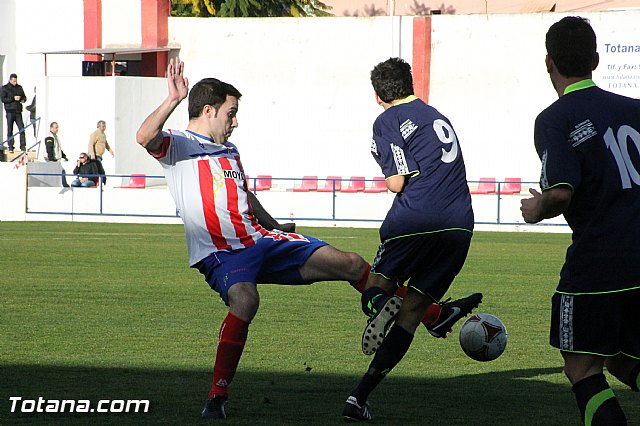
483,337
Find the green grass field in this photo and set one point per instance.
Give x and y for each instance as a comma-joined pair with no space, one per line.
111,311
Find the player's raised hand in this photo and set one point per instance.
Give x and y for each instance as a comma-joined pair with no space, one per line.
149,134
177,82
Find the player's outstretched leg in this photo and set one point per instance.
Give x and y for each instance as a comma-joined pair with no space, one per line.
452,312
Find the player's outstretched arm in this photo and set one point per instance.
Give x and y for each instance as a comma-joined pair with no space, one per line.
149,134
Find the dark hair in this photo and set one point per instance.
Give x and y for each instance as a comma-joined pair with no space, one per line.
13,75
392,79
209,91
101,122
571,44
52,123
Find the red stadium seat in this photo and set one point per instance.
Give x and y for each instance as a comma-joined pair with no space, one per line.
511,186
262,183
486,186
378,185
356,184
308,183
331,183
136,181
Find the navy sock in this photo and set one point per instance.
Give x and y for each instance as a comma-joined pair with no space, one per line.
392,350
372,300
597,403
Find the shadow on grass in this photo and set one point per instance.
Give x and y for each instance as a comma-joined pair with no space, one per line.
518,397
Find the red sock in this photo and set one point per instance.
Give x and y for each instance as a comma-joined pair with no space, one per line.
432,313
233,335
362,282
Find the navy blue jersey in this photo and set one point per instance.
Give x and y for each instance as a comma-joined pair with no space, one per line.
413,139
589,141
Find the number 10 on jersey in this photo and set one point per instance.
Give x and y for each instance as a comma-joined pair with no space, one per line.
620,149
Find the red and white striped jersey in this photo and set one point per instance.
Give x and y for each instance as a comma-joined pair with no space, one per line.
208,185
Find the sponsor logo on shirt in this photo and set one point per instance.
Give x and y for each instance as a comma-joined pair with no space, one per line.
583,131
233,174
218,181
407,128
219,177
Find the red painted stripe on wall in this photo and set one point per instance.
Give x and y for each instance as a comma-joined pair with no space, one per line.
421,66
155,33
92,27
155,22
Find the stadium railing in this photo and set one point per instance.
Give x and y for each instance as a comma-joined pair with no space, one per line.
281,199
20,155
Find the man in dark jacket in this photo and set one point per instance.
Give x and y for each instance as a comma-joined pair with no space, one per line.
13,97
52,143
87,169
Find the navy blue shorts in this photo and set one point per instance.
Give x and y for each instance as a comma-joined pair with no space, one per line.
430,261
276,259
603,324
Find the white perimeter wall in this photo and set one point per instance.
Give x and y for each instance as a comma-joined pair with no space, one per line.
307,105
488,76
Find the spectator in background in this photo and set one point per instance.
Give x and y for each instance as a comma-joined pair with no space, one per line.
87,170
98,142
32,114
54,149
13,97
52,144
